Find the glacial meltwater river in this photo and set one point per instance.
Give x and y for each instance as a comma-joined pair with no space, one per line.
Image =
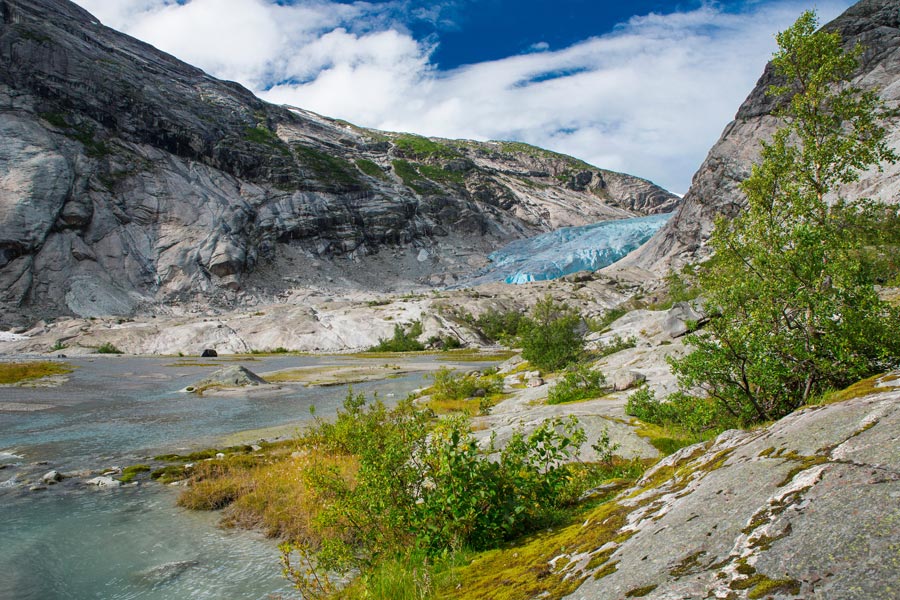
80,542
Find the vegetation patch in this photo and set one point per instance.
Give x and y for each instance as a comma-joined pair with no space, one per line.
411,177
371,169
578,383
472,393
422,148
405,339
107,348
130,473
17,372
328,169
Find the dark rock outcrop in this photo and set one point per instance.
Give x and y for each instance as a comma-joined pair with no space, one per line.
875,24
129,179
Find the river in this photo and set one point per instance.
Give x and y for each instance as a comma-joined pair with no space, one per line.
76,541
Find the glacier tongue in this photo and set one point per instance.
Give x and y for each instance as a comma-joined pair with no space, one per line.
569,250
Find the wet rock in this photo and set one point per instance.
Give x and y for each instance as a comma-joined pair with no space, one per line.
166,573
51,477
104,482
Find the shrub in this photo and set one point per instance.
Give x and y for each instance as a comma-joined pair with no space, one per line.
691,414
552,337
108,348
499,326
578,383
404,340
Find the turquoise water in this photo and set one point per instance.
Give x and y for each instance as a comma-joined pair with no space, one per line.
74,541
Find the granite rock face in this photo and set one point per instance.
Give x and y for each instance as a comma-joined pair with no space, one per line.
804,508
130,180
875,24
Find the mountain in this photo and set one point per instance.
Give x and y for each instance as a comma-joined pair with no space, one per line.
131,180
875,24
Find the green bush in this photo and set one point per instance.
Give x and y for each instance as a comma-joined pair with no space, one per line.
450,385
691,414
426,485
499,326
404,340
552,338
108,348
578,383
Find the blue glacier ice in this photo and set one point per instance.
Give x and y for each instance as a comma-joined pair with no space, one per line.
569,250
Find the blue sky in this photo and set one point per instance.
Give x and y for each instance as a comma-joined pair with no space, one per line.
640,86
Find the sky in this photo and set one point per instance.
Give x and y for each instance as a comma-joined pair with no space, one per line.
640,86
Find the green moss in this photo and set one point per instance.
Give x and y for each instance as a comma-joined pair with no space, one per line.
862,388
608,569
371,169
440,174
688,565
262,135
169,474
803,463
640,592
770,586
130,473
17,372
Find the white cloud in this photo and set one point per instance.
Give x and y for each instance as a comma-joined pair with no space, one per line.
650,98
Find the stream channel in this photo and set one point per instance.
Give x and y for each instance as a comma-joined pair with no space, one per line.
77,541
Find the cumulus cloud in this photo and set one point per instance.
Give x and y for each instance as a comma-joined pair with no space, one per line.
648,98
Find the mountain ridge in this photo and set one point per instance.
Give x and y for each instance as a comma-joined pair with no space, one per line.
135,179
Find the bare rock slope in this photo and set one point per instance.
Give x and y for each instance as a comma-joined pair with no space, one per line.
875,24
130,179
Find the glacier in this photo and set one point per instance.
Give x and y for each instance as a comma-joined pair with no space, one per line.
569,250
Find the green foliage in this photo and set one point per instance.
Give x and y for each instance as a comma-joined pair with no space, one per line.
56,119
262,135
499,326
602,323
440,174
450,385
692,415
370,168
411,177
415,146
552,337
329,169
427,486
58,345
791,289
404,340
578,383
108,348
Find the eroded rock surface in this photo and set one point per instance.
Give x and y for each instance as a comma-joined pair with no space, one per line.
805,508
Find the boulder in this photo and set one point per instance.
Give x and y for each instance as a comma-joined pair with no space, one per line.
683,318
209,353
51,477
625,380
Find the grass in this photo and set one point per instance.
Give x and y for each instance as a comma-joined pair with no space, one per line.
872,385
411,177
17,372
335,171
371,169
415,146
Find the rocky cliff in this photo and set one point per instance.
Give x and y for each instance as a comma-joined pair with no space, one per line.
129,179
875,24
